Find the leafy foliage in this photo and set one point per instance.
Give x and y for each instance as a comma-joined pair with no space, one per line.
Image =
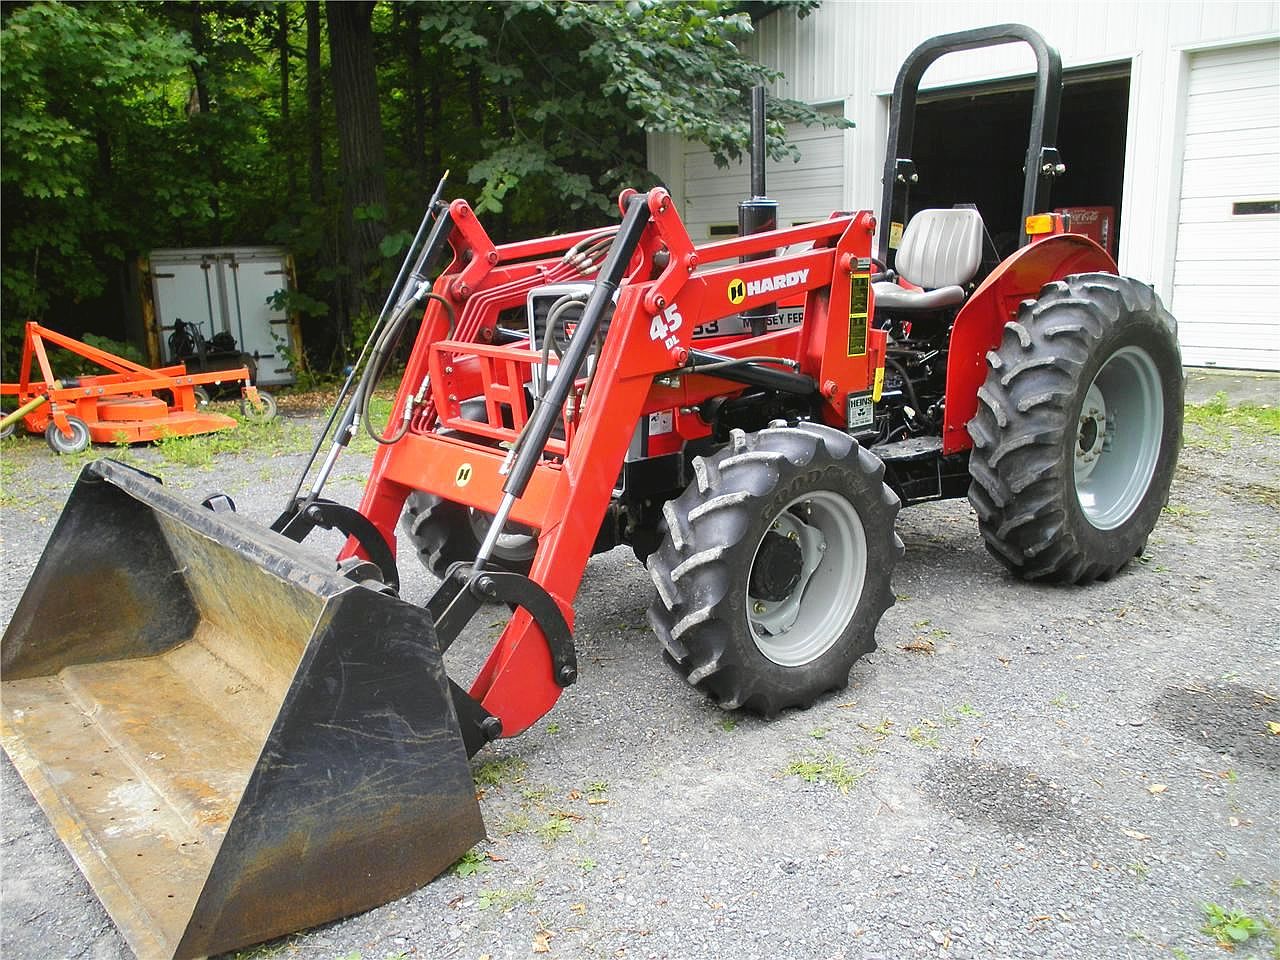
86,89
131,127
1229,927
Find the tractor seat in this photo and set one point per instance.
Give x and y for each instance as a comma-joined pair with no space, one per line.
940,251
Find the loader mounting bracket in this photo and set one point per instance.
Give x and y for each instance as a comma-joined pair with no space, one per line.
300,518
463,592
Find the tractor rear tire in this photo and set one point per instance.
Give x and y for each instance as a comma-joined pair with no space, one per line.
774,567
1077,432
444,533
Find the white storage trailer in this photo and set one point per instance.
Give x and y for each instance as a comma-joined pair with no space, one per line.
224,290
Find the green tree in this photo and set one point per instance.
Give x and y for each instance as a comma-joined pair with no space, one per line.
91,94
129,127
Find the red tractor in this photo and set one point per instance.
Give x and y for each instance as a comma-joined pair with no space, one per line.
746,415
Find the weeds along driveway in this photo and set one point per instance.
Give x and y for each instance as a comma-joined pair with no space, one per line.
1018,771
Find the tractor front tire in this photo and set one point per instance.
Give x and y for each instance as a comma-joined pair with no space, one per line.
1077,432
444,533
774,567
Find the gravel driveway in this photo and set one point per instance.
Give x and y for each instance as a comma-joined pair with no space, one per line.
1017,772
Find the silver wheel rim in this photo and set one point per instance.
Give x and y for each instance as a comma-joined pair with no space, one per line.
1118,438
78,440
833,546
261,412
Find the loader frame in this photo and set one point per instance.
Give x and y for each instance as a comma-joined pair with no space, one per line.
646,355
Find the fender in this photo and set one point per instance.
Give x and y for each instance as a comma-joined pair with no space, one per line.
980,323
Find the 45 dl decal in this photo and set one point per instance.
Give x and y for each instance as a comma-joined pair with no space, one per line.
664,326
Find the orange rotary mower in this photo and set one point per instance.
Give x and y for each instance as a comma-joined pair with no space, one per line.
127,405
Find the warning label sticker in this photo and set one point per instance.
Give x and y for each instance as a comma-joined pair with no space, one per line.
859,284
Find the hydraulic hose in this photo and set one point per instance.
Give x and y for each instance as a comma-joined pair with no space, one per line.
381,356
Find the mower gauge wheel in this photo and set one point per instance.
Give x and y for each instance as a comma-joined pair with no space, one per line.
1077,431
263,411
60,443
774,567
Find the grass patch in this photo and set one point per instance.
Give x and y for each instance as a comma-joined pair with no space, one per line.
514,823
1217,412
1229,928
10,472
880,729
1178,511
495,773
471,863
921,737
276,437
264,951
504,900
554,829
825,769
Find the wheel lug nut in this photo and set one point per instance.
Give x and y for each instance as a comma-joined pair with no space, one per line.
759,606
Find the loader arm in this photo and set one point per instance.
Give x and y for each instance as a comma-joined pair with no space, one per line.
648,347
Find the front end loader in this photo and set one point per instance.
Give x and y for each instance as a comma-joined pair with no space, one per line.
235,740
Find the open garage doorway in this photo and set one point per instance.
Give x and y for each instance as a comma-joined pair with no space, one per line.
970,143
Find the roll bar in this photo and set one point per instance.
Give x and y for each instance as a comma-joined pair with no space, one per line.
1042,162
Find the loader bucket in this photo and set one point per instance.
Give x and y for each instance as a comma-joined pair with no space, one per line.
232,741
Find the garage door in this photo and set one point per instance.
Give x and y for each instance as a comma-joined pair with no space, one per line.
1226,282
807,190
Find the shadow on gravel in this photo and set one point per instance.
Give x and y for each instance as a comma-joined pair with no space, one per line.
1225,717
1011,798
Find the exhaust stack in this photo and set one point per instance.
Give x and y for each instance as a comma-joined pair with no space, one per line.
758,214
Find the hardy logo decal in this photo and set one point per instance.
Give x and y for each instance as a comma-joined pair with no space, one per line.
739,291
463,476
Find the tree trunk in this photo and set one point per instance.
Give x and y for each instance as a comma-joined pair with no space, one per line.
282,28
315,105
362,160
437,111
199,43
417,102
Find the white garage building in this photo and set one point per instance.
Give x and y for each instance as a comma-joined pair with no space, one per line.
1170,126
